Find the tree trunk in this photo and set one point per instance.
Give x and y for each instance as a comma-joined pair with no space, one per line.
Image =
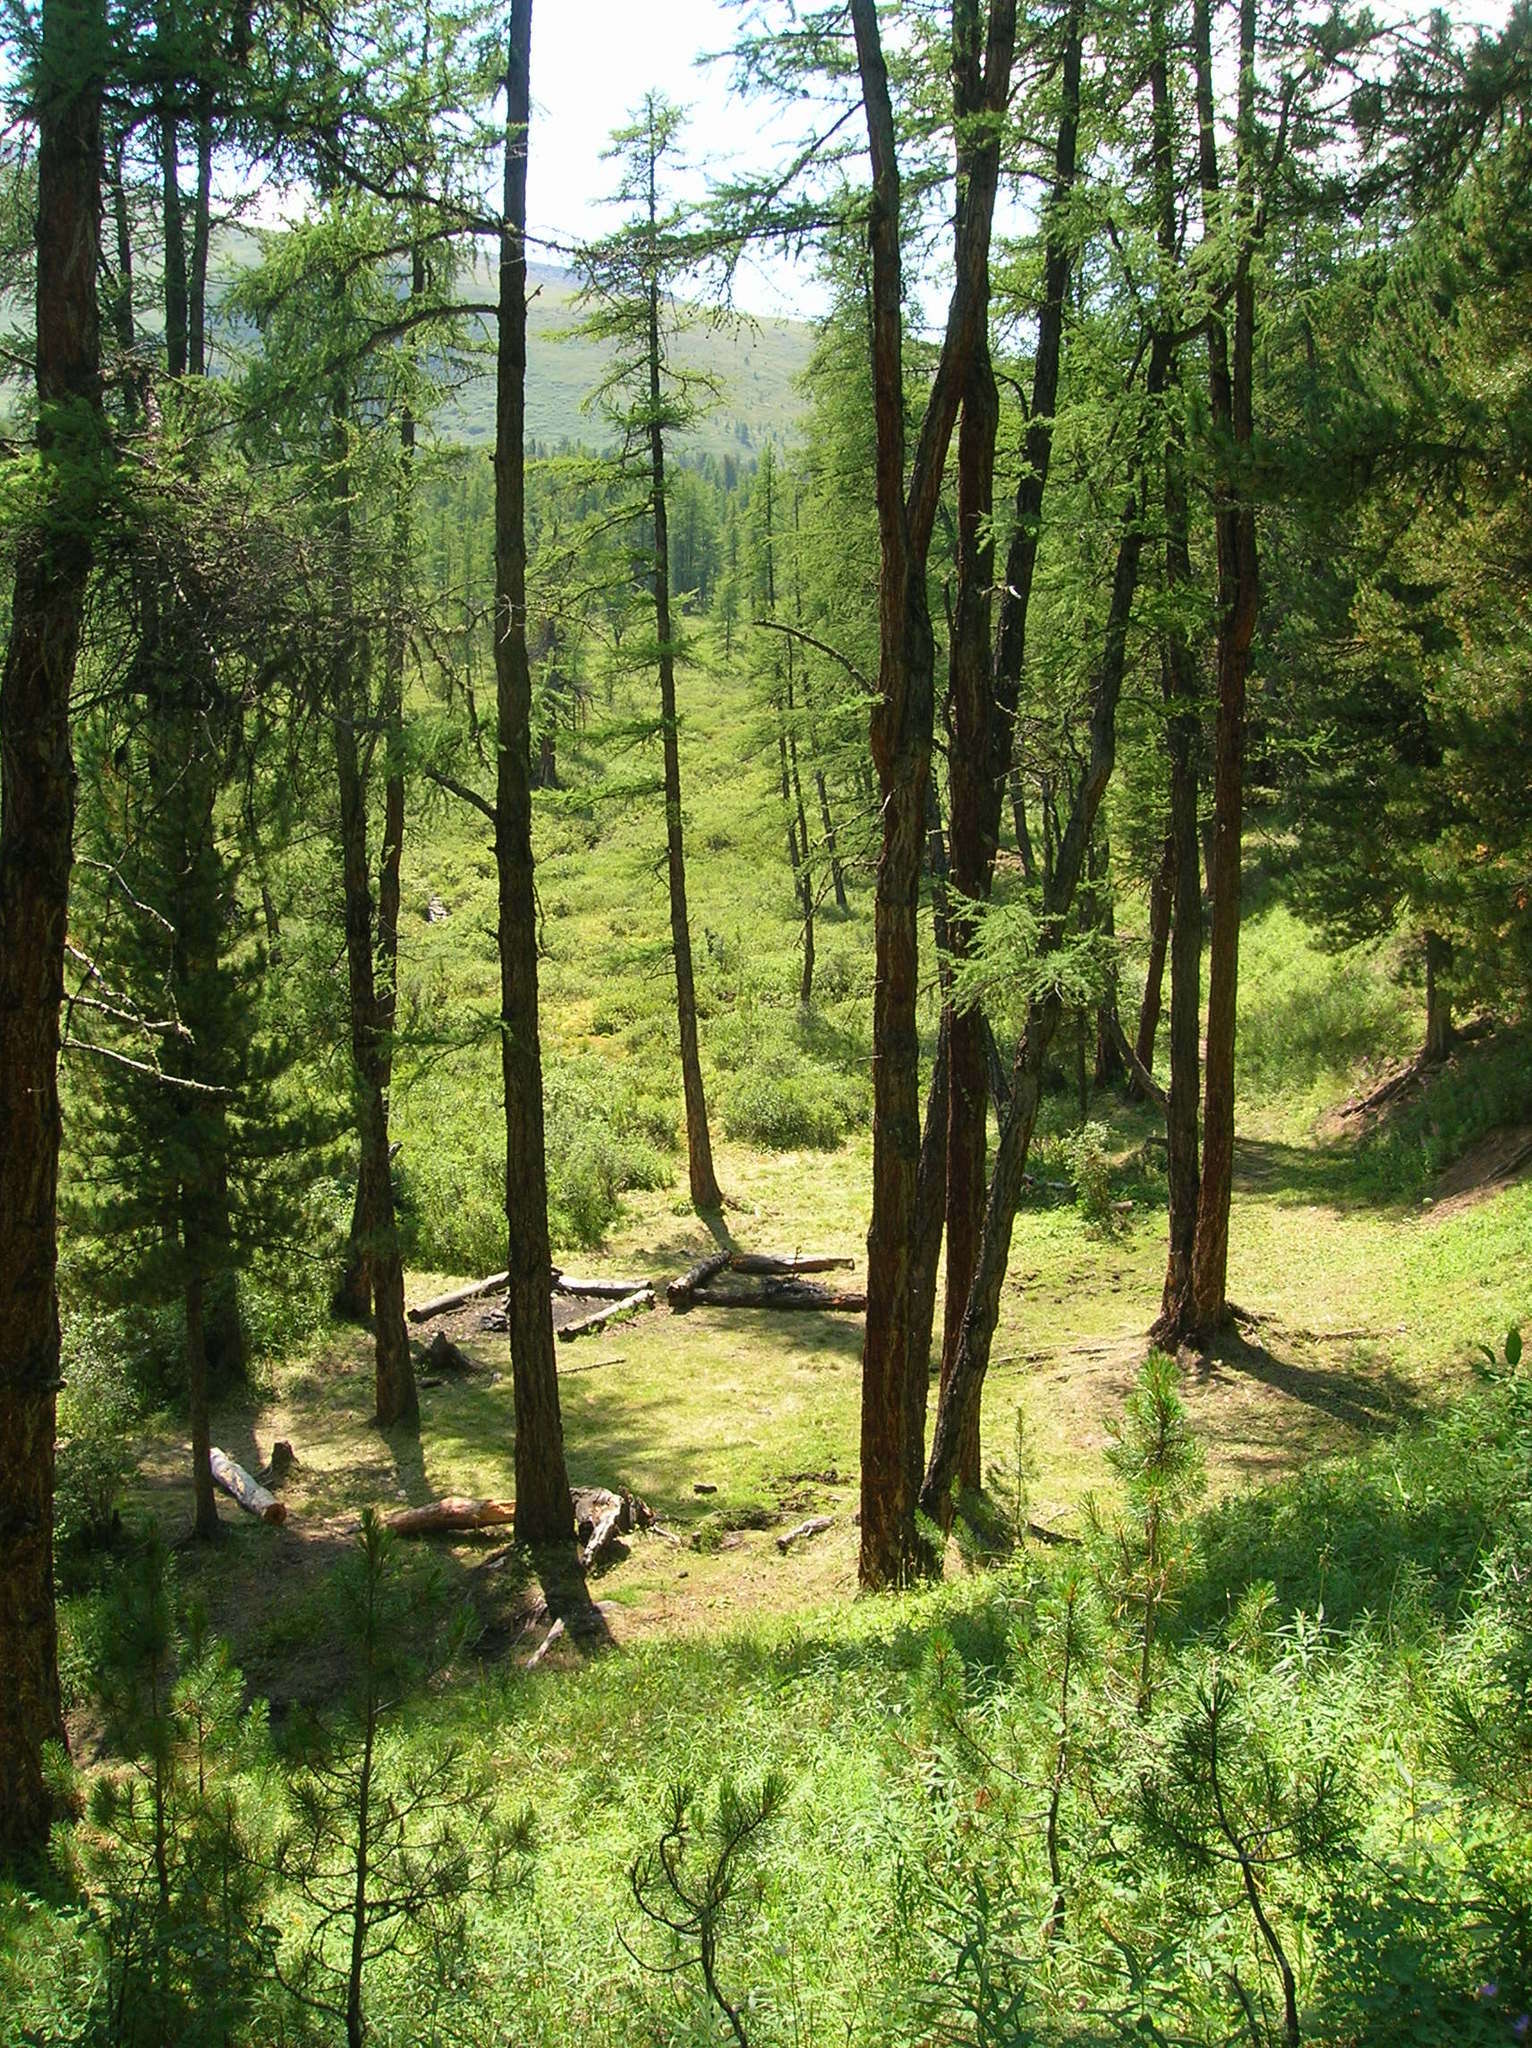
1161,895
36,826
205,1510
1110,1068
901,724
985,688
705,1192
1180,879
1440,1035
543,1510
1230,396
397,1400
966,1381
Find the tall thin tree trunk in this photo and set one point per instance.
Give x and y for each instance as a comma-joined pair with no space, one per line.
205,1508
966,1381
1231,409
901,727
544,1512
37,780
1161,896
202,224
984,692
397,1400
1178,676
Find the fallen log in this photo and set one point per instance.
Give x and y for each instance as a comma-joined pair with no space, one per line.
795,1262
600,1290
680,1292
630,1304
814,1526
786,1297
424,1310
453,1511
238,1484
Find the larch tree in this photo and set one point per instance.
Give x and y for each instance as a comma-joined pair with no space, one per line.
544,1511
53,566
893,1377
630,279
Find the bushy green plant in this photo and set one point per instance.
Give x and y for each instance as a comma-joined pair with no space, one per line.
386,1836
1089,1162
164,1854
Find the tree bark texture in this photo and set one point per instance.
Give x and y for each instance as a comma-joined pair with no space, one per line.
1231,409
901,728
36,825
397,1400
981,1313
985,683
1178,677
1161,896
543,1510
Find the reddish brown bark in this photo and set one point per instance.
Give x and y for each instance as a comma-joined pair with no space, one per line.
901,724
36,824
966,1381
1231,408
543,1510
985,685
1161,896
1178,675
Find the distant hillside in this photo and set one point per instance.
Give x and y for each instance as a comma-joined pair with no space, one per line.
755,363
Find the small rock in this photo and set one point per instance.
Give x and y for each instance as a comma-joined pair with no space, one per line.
703,1486
436,911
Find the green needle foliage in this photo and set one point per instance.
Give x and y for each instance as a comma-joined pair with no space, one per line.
387,1839
1159,1464
693,1874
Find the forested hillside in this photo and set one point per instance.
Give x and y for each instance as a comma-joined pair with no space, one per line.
766,1089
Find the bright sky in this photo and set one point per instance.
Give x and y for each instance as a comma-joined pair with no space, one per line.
592,62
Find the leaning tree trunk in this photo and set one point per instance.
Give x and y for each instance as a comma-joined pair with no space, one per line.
544,1513
984,692
36,826
1231,407
966,1383
893,1403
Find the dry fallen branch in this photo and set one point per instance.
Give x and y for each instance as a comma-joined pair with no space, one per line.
600,1290
681,1292
814,1526
794,1262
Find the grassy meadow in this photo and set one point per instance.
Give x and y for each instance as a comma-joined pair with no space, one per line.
1352,1567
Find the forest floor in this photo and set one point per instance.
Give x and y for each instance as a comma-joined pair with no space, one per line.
1369,1255
735,1424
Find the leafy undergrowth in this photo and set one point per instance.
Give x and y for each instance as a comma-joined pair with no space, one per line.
1335,1693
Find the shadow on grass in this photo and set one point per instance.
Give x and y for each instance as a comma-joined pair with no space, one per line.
1366,1403
1397,1531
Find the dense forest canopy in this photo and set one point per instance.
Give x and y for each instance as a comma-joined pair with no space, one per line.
541,808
